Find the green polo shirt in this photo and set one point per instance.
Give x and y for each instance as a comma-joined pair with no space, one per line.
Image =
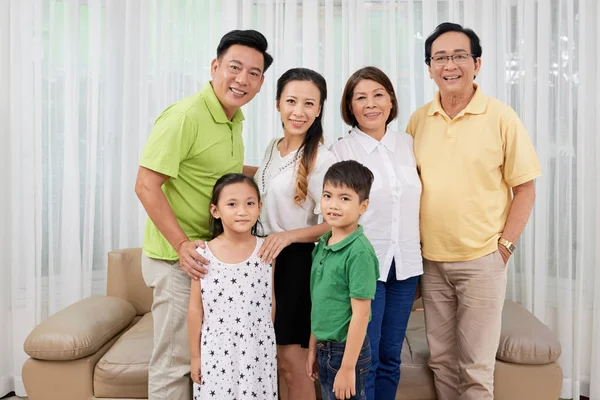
345,270
194,144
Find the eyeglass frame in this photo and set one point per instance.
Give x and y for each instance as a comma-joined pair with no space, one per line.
451,57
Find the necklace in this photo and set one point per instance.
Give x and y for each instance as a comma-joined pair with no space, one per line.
267,174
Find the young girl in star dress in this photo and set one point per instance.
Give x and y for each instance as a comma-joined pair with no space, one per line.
230,326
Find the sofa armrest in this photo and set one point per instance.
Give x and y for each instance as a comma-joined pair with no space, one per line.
524,339
80,329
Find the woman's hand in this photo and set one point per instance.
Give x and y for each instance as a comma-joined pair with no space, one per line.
274,244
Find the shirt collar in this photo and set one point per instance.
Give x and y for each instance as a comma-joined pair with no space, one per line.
343,243
477,105
369,144
216,109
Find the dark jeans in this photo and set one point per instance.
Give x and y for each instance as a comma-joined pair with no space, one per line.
330,356
389,317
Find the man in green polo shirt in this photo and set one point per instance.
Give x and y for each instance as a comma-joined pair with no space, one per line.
193,143
343,281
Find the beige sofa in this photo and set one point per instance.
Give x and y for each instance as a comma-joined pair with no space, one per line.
99,348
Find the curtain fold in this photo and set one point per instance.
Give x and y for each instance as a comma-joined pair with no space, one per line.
85,79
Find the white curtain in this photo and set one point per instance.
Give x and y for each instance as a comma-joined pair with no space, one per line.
81,82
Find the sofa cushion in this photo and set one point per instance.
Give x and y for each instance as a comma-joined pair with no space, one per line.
123,371
125,280
80,329
416,379
525,339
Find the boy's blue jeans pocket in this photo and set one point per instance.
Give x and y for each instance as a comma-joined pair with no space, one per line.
330,355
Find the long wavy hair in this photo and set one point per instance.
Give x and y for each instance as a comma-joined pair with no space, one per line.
314,135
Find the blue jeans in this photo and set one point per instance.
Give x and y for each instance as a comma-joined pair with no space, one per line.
389,316
330,356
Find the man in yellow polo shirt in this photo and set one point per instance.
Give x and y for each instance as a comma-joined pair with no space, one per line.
477,166
193,143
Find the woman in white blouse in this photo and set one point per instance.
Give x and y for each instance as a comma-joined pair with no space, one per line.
290,179
392,221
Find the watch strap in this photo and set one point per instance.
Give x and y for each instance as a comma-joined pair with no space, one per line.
509,245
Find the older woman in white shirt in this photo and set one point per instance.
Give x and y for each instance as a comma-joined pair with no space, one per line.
290,179
392,221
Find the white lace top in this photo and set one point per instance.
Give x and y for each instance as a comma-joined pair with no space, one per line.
276,180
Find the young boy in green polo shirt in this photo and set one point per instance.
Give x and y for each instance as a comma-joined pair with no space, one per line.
342,284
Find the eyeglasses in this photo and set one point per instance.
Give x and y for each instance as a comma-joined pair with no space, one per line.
460,58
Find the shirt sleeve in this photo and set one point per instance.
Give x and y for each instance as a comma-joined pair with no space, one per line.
521,164
169,143
334,149
325,159
411,128
258,176
362,274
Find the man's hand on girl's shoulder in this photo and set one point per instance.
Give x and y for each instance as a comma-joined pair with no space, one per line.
190,261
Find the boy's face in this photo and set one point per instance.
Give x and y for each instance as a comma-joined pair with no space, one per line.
341,206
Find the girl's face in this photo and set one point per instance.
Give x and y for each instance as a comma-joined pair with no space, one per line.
299,106
371,105
238,208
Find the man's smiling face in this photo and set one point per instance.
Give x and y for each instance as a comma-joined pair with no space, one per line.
452,78
237,77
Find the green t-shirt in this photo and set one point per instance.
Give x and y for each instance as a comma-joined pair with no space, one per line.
195,144
345,270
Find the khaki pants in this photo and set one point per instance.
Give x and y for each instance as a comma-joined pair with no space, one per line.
463,309
169,369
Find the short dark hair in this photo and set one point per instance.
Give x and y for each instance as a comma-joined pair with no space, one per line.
216,226
351,174
371,74
249,38
451,27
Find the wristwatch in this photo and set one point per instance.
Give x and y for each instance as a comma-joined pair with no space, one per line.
509,245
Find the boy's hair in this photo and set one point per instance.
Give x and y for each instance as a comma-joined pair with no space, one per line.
249,38
351,174
216,226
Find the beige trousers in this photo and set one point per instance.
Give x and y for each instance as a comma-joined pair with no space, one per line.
169,369
463,309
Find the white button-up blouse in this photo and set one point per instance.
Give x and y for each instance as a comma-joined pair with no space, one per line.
391,221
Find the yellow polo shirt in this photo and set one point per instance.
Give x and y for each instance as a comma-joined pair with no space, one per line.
194,144
467,166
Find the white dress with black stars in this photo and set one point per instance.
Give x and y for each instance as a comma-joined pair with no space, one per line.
238,351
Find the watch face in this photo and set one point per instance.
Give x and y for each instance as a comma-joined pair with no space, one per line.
512,247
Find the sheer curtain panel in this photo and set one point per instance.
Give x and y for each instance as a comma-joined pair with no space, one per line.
83,81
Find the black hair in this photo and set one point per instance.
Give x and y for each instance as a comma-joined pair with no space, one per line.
351,174
314,135
445,27
216,225
249,38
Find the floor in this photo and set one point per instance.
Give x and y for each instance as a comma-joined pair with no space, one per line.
11,396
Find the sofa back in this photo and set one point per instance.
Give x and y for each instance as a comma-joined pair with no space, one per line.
125,279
